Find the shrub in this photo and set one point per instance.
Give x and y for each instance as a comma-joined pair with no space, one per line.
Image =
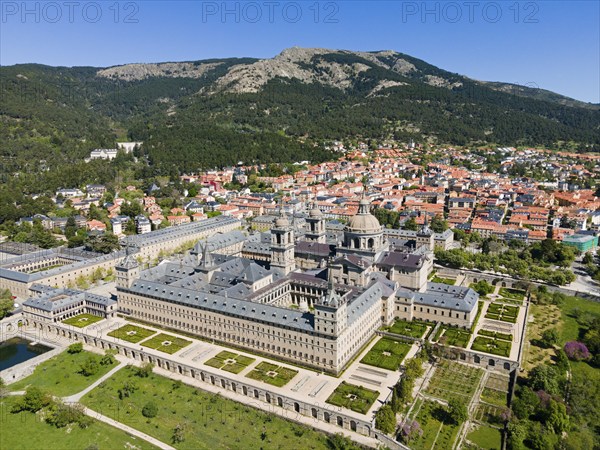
150,410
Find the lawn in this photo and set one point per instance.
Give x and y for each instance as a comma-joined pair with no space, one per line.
436,433
131,333
25,431
387,354
82,320
454,380
356,398
489,414
491,345
455,336
413,329
272,374
166,343
59,375
486,437
437,279
514,294
209,421
494,397
230,362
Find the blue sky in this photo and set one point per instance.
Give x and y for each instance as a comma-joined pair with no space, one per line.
554,45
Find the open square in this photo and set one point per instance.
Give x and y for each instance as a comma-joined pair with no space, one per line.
82,320
166,343
131,333
386,354
356,398
272,374
230,362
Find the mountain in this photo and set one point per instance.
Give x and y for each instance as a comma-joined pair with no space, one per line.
208,113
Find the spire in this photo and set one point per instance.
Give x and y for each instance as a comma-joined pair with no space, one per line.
207,259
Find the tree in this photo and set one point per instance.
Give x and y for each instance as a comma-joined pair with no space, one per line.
411,429
482,287
550,337
385,419
178,434
438,224
577,351
33,400
338,441
77,347
7,303
106,243
90,366
109,358
150,410
558,419
70,227
411,224
144,370
544,378
457,411
129,387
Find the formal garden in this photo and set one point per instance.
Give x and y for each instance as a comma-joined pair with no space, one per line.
513,294
356,398
272,374
187,417
82,320
166,343
457,337
438,279
505,313
230,362
415,329
437,429
132,333
387,354
452,380
491,345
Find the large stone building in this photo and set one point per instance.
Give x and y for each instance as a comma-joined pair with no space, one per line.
306,300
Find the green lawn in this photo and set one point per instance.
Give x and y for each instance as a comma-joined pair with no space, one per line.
356,398
272,374
209,421
166,343
455,336
437,434
82,320
413,329
230,362
494,396
59,375
131,333
485,437
496,334
491,345
514,294
25,431
387,354
437,279
505,313
570,327
454,380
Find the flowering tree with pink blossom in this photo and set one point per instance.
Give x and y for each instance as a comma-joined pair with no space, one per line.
411,429
577,351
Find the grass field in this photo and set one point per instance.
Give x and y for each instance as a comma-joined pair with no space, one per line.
230,362
490,345
436,433
272,374
455,336
454,380
485,437
490,414
25,431
413,329
166,343
209,421
437,279
494,397
496,334
59,375
356,398
387,354
82,320
514,294
132,333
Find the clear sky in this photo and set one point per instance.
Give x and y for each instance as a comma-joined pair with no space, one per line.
553,45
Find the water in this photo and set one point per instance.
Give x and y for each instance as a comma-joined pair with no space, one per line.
16,350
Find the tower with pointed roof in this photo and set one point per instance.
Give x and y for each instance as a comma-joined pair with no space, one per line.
331,312
282,245
425,236
207,266
127,271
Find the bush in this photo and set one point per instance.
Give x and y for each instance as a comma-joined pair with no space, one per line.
77,347
150,410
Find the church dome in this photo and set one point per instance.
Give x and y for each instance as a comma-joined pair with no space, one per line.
315,212
282,222
364,221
